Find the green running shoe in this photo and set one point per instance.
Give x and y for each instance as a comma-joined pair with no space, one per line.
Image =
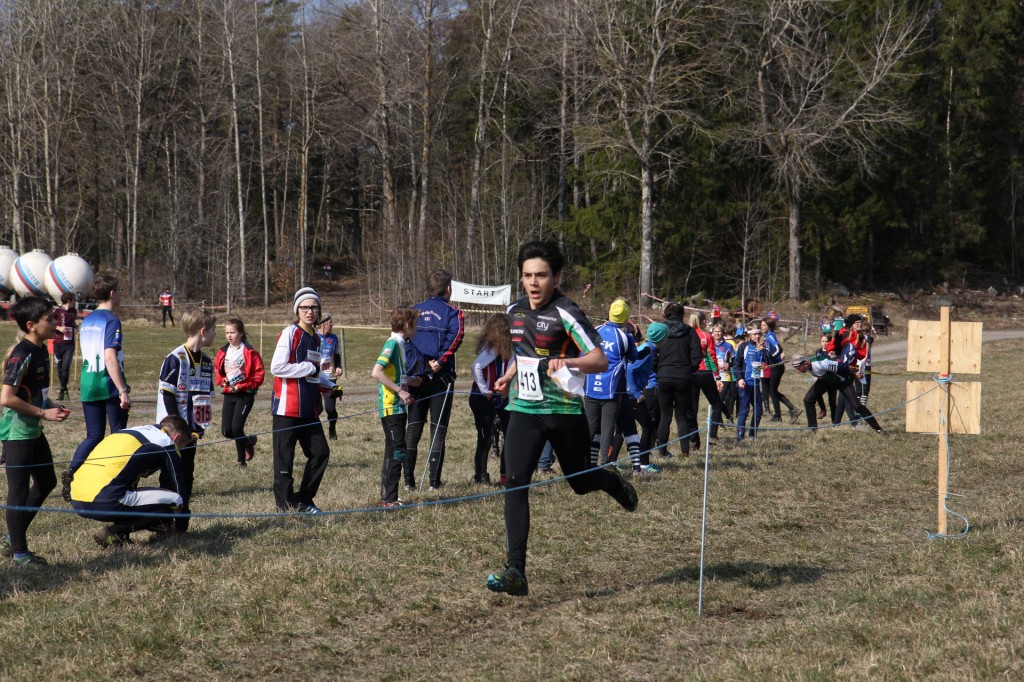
30,559
511,581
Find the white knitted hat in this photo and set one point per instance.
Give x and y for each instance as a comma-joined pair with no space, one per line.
303,294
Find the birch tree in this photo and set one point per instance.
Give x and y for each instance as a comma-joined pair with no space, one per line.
817,90
647,76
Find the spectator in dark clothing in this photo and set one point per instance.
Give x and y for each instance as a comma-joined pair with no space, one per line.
679,355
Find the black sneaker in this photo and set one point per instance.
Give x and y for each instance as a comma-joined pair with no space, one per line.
626,495
250,448
511,581
794,415
106,538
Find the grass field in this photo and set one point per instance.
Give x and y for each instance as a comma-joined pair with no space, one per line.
817,565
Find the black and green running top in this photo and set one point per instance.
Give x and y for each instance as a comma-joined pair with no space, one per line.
559,329
28,371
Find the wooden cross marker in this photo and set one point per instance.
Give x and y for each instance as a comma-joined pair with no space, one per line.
945,349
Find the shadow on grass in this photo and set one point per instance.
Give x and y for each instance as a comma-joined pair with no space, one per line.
215,540
752,574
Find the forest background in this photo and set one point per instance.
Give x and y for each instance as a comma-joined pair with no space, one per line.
228,148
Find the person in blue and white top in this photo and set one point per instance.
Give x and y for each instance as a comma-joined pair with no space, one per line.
777,359
330,364
606,389
749,364
186,390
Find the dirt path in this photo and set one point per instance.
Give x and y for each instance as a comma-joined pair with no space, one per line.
897,350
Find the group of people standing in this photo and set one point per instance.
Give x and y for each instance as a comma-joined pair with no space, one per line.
548,378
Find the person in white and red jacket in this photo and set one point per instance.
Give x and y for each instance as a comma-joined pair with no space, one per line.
238,370
298,386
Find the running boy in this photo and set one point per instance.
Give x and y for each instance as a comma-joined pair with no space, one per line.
551,337
25,401
393,400
186,390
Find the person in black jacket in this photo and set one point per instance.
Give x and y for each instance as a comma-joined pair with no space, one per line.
679,354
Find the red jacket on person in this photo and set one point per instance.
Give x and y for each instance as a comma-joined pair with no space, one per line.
252,369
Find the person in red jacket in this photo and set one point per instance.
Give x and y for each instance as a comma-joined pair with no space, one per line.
238,370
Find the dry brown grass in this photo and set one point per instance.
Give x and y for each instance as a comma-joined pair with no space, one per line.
817,567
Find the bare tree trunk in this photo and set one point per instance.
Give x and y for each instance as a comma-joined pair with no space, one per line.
307,138
262,157
427,132
794,243
383,136
646,228
479,136
229,58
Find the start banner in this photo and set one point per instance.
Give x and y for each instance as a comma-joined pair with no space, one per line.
478,293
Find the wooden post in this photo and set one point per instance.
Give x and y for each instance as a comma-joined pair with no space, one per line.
341,349
944,365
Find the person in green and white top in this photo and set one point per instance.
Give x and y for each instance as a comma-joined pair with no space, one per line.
105,392
552,339
393,400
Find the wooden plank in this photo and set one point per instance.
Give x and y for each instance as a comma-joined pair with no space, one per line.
923,345
925,348
965,348
923,413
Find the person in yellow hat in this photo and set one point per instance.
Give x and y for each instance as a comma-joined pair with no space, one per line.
605,390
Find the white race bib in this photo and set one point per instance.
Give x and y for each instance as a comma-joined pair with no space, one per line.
528,374
755,370
314,357
202,410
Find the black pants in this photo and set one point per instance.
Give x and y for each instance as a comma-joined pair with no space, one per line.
645,415
394,453
64,356
859,390
775,394
831,393
674,396
704,382
119,516
602,418
30,478
331,408
484,414
435,397
845,389
308,433
729,397
188,475
527,434
167,311
237,407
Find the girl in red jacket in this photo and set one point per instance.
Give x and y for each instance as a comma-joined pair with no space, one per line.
238,370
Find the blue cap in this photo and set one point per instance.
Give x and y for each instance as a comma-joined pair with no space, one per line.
740,331
657,332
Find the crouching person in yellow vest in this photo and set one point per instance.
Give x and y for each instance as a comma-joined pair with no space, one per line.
106,487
